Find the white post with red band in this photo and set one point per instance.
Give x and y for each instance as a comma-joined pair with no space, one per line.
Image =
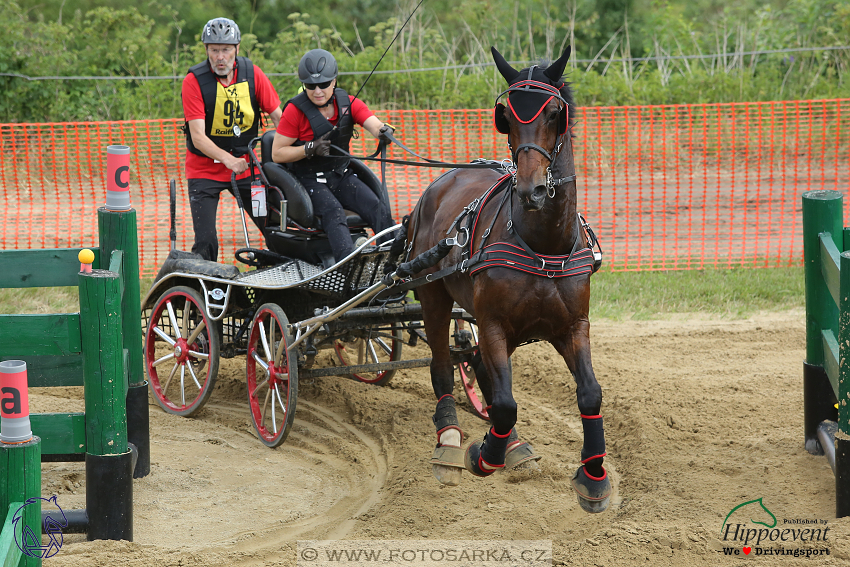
118,178
14,403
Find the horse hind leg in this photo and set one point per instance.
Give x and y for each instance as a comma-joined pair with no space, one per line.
519,455
447,460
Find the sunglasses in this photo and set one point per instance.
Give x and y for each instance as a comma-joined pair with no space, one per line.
314,86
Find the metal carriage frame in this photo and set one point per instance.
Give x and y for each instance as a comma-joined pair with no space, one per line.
280,317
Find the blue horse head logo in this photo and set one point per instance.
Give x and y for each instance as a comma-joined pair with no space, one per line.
52,523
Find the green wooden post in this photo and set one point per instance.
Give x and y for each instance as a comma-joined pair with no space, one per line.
822,212
20,480
842,441
103,363
118,232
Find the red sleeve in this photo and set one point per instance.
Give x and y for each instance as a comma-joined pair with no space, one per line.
290,124
359,111
266,95
193,103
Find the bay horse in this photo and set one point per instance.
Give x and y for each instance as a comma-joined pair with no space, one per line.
523,262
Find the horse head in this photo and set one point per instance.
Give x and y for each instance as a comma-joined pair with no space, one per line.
536,120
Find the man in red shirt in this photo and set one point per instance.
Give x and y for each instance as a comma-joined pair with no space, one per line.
303,140
222,99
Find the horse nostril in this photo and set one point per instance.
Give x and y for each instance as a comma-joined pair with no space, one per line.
539,191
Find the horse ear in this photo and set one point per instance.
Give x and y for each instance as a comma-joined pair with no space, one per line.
508,72
556,70
499,119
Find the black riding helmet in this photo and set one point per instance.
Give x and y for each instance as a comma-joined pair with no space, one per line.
317,66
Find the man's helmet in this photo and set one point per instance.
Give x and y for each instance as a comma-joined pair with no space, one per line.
317,66
221,30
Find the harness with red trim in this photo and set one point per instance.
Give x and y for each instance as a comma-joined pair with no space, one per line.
519,256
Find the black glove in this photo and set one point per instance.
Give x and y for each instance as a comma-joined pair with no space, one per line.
318,147
382,133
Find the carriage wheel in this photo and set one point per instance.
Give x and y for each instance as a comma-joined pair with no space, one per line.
181,352
378,344
465,335
272,380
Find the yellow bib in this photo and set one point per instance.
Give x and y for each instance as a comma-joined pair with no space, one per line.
232,106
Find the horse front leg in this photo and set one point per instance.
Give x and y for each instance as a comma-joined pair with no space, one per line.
485,457
447,460
591,482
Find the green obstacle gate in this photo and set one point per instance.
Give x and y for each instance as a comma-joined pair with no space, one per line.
99,348
826,371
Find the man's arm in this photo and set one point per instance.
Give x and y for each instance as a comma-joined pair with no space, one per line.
275,116
202,142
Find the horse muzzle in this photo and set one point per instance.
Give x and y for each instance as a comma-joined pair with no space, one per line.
532,199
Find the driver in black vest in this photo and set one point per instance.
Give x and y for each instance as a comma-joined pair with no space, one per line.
303,139
222,100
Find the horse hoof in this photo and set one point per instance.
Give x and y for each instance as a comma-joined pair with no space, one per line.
473,452
521,456
447,464
448,476
594,494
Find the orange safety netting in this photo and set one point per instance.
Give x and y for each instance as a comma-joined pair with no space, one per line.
664,187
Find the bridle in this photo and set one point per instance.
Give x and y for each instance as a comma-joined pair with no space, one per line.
531,86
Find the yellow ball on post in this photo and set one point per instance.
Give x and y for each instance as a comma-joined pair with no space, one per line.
86,257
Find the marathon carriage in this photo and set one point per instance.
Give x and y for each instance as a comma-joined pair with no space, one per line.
294,302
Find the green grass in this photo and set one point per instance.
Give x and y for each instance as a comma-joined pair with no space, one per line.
734,293
48,299
39,300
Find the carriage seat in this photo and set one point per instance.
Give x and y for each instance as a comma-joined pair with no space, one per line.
189,262
298,205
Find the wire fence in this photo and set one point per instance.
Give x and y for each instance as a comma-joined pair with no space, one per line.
665,187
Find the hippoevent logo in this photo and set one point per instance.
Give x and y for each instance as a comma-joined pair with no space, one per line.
750,528
52,523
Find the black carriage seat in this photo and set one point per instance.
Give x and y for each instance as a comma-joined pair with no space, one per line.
299,207
189,262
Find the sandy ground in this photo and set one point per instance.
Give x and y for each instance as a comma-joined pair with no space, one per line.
700,415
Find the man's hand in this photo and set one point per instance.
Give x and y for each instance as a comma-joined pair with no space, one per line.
318,147
235,164
382,133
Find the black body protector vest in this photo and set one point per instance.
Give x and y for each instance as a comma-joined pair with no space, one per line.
226,107
321,126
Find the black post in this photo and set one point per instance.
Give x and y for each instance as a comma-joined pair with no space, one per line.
842,477
109,496
818,404
138,427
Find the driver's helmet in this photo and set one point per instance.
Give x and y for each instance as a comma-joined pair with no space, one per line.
221,30
317,66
